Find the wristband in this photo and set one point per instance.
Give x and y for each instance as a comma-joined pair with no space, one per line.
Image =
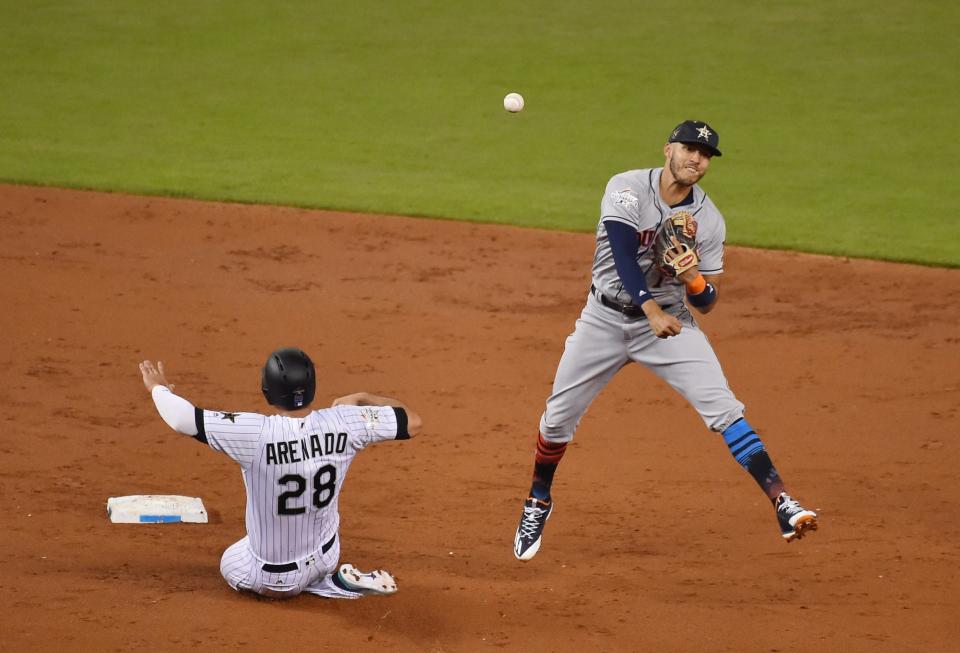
703,299
696,286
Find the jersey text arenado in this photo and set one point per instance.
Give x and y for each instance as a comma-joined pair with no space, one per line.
295,451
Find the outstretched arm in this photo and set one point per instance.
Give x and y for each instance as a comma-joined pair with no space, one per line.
366,399
177,412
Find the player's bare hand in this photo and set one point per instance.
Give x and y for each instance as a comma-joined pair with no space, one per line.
665,325
153,375
662,324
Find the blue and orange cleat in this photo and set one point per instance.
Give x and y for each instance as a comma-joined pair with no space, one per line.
795,520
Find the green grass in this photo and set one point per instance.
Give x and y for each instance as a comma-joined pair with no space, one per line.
835,118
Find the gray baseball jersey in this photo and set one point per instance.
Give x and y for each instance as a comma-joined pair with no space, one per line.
632,198
604,340
293,470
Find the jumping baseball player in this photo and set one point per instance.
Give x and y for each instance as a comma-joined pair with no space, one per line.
659,248
293,466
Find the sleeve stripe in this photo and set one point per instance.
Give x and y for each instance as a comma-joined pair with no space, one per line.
618,218
401,414
198,418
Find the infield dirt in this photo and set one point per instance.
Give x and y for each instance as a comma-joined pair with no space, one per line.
850,371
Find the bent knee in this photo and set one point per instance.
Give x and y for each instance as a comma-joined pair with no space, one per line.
273,592
722,421
556,433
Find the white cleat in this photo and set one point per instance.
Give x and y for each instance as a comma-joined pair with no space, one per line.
378,581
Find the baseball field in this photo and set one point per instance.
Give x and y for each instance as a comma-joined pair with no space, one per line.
201,183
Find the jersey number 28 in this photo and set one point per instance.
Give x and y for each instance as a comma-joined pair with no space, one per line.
322,490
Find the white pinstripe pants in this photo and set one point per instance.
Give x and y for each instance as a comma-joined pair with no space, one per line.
244,572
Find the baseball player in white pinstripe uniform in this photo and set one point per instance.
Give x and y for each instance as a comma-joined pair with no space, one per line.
293,467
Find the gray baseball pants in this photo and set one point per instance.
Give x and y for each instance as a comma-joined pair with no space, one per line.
604,341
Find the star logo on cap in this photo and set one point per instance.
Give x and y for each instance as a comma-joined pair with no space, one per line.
704,133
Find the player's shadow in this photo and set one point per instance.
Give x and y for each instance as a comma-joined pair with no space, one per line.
415,612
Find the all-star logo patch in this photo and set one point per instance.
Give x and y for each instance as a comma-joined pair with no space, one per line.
230,416
625,197
371,416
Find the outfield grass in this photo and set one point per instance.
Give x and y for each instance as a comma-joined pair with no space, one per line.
836,119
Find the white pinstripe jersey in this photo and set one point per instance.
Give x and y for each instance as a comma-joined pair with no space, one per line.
293,469
633,198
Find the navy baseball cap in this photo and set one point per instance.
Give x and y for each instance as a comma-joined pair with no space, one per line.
696,131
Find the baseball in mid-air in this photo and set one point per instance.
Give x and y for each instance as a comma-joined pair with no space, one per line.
513,102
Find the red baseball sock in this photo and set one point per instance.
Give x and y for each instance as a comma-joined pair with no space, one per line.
545,465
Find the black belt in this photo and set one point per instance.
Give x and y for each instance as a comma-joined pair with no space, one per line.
292,566
629,310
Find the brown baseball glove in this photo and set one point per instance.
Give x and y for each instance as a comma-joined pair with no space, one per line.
675,248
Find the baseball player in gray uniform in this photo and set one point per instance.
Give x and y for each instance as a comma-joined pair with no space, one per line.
293,466
643,279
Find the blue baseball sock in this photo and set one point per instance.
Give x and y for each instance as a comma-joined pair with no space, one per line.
745,445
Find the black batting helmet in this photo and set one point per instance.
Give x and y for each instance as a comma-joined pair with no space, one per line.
289,380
